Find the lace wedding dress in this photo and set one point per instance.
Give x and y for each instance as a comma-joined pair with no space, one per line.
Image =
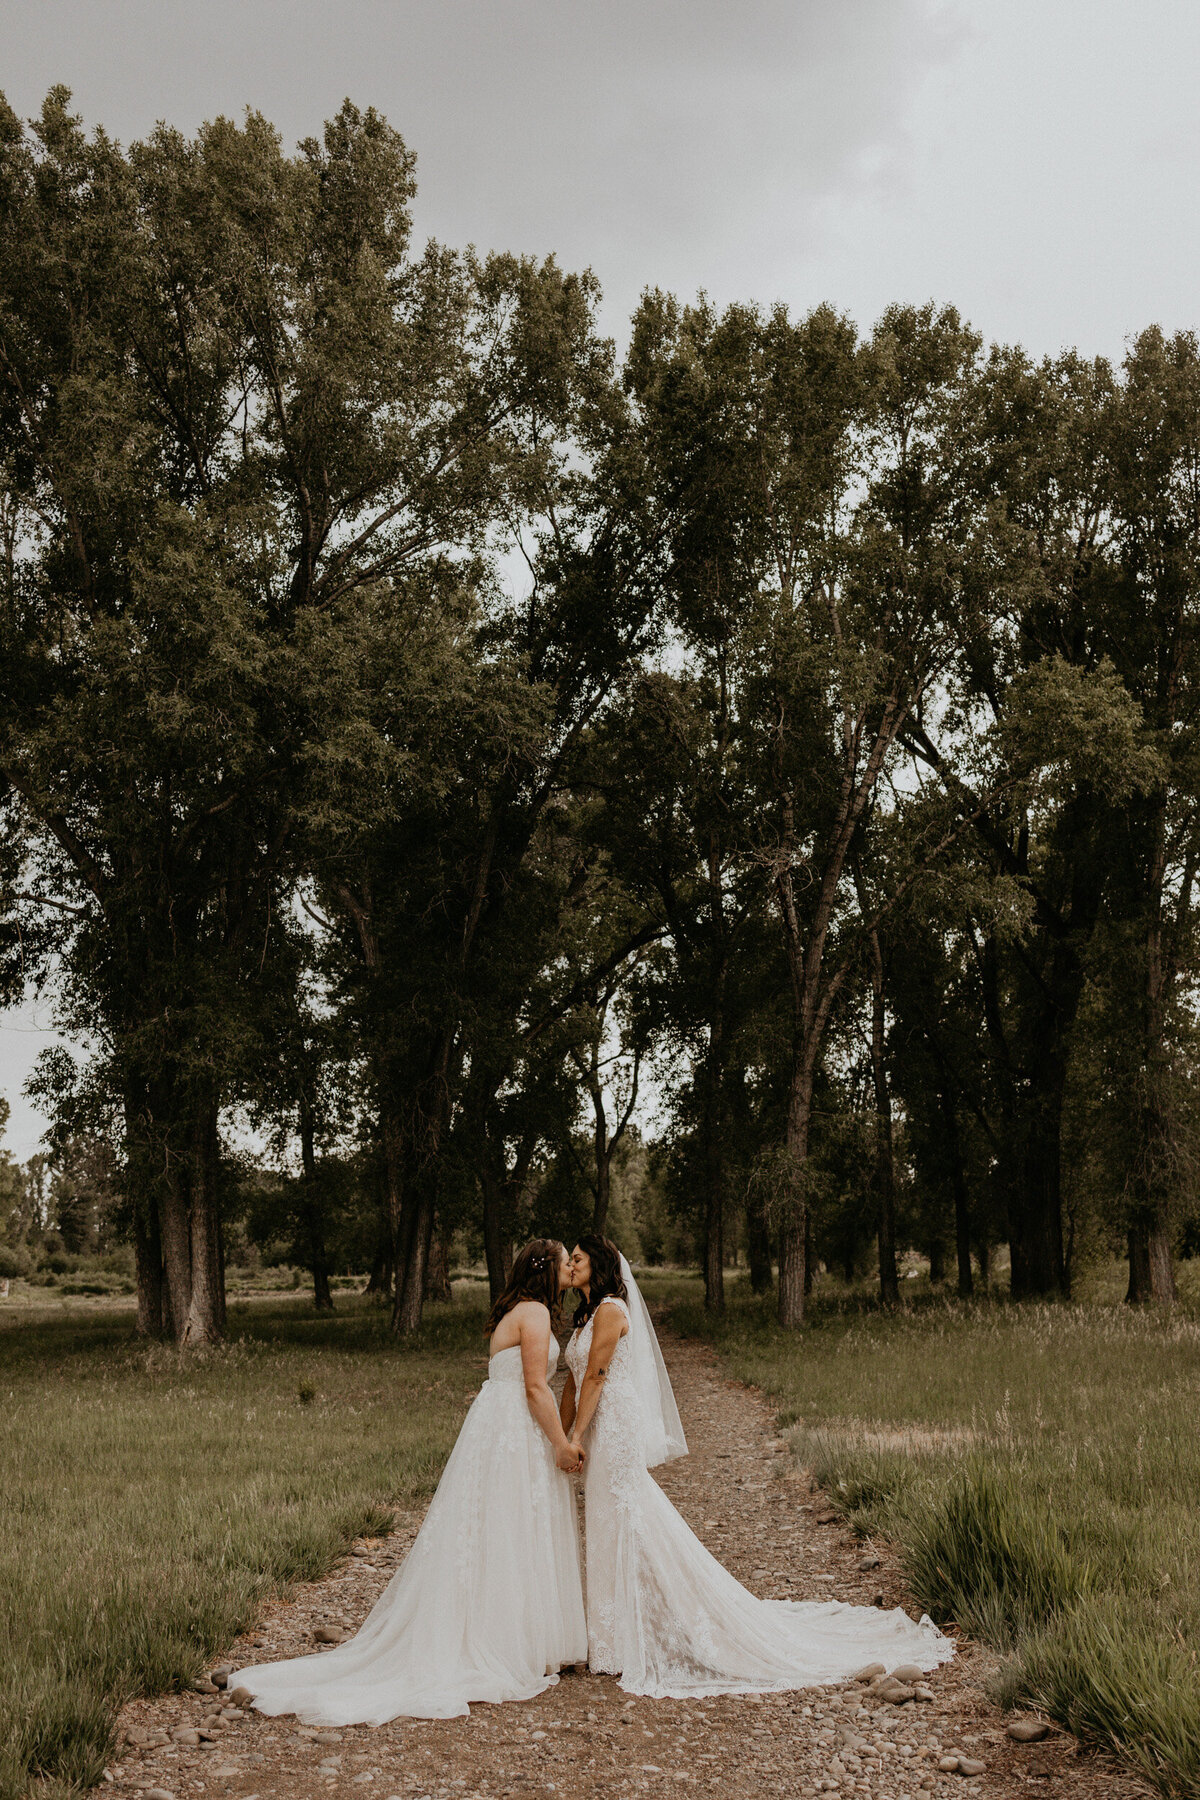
661,1612
488,1604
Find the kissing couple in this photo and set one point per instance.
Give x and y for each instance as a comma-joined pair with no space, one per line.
489,1603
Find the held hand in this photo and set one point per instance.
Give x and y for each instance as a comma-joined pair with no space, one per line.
569,1459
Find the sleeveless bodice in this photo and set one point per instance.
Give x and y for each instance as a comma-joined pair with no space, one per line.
506,1366
617,1421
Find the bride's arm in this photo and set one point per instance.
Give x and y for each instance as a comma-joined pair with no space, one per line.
566,1411
608,1328
535,1353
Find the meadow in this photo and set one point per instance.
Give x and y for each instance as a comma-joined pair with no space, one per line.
1039,1467
148,1500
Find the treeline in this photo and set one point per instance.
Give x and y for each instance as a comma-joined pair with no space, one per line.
417,724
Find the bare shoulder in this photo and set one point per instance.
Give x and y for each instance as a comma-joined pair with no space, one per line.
611,1318
527,1319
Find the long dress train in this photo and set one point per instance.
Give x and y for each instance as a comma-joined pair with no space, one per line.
665,1616
488,1604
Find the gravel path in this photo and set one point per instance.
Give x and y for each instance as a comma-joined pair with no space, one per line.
740,1492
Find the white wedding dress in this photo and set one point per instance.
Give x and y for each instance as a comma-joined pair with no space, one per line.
662,1613
488,1604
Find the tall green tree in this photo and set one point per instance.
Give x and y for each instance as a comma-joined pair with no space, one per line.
234,404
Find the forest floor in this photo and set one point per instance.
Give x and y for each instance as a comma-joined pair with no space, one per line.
759,1512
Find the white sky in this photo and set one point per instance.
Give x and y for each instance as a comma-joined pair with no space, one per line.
1034,161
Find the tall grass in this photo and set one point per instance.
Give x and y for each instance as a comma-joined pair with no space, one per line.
150,1499
1040,1468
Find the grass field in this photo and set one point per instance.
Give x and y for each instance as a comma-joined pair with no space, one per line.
1039,1466
148,1501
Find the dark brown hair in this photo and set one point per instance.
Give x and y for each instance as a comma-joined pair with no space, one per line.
534,1277
606,1282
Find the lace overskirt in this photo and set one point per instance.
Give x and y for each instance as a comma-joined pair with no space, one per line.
665,1616
488,1604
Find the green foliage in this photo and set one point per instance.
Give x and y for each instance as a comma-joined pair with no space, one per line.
991,1555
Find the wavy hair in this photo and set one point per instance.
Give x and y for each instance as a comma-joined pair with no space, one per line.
606,1282
534,1277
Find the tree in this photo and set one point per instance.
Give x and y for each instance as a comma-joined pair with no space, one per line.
1154,641
233,407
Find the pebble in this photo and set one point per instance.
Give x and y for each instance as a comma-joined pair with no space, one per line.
870,1562
896,1693
1028,1731
158,1794
203,1686
328,1634
870,1672
220,1675
226,1772
184,1734
907,1673
241,1696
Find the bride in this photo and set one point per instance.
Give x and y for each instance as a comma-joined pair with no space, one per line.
488,1604
661,1612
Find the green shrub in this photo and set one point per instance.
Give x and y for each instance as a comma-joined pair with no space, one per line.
988,1553
14,1262
1109,1670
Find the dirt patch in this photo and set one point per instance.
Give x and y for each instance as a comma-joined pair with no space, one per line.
739,1491
910,1440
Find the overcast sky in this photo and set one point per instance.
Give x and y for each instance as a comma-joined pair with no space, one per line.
1034,161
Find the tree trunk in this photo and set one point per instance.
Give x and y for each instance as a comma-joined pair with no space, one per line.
885,1165
410,1285
395,1189
713,1150
153,1315
1035,1222
937,1261
958,1177
406,1318
437,1274
758,1245
1162,1266
601,1148
380,1279
148,1250
191,1235
410,1291
1151,1265
794,1248
493,1232
313,1212
792,1272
